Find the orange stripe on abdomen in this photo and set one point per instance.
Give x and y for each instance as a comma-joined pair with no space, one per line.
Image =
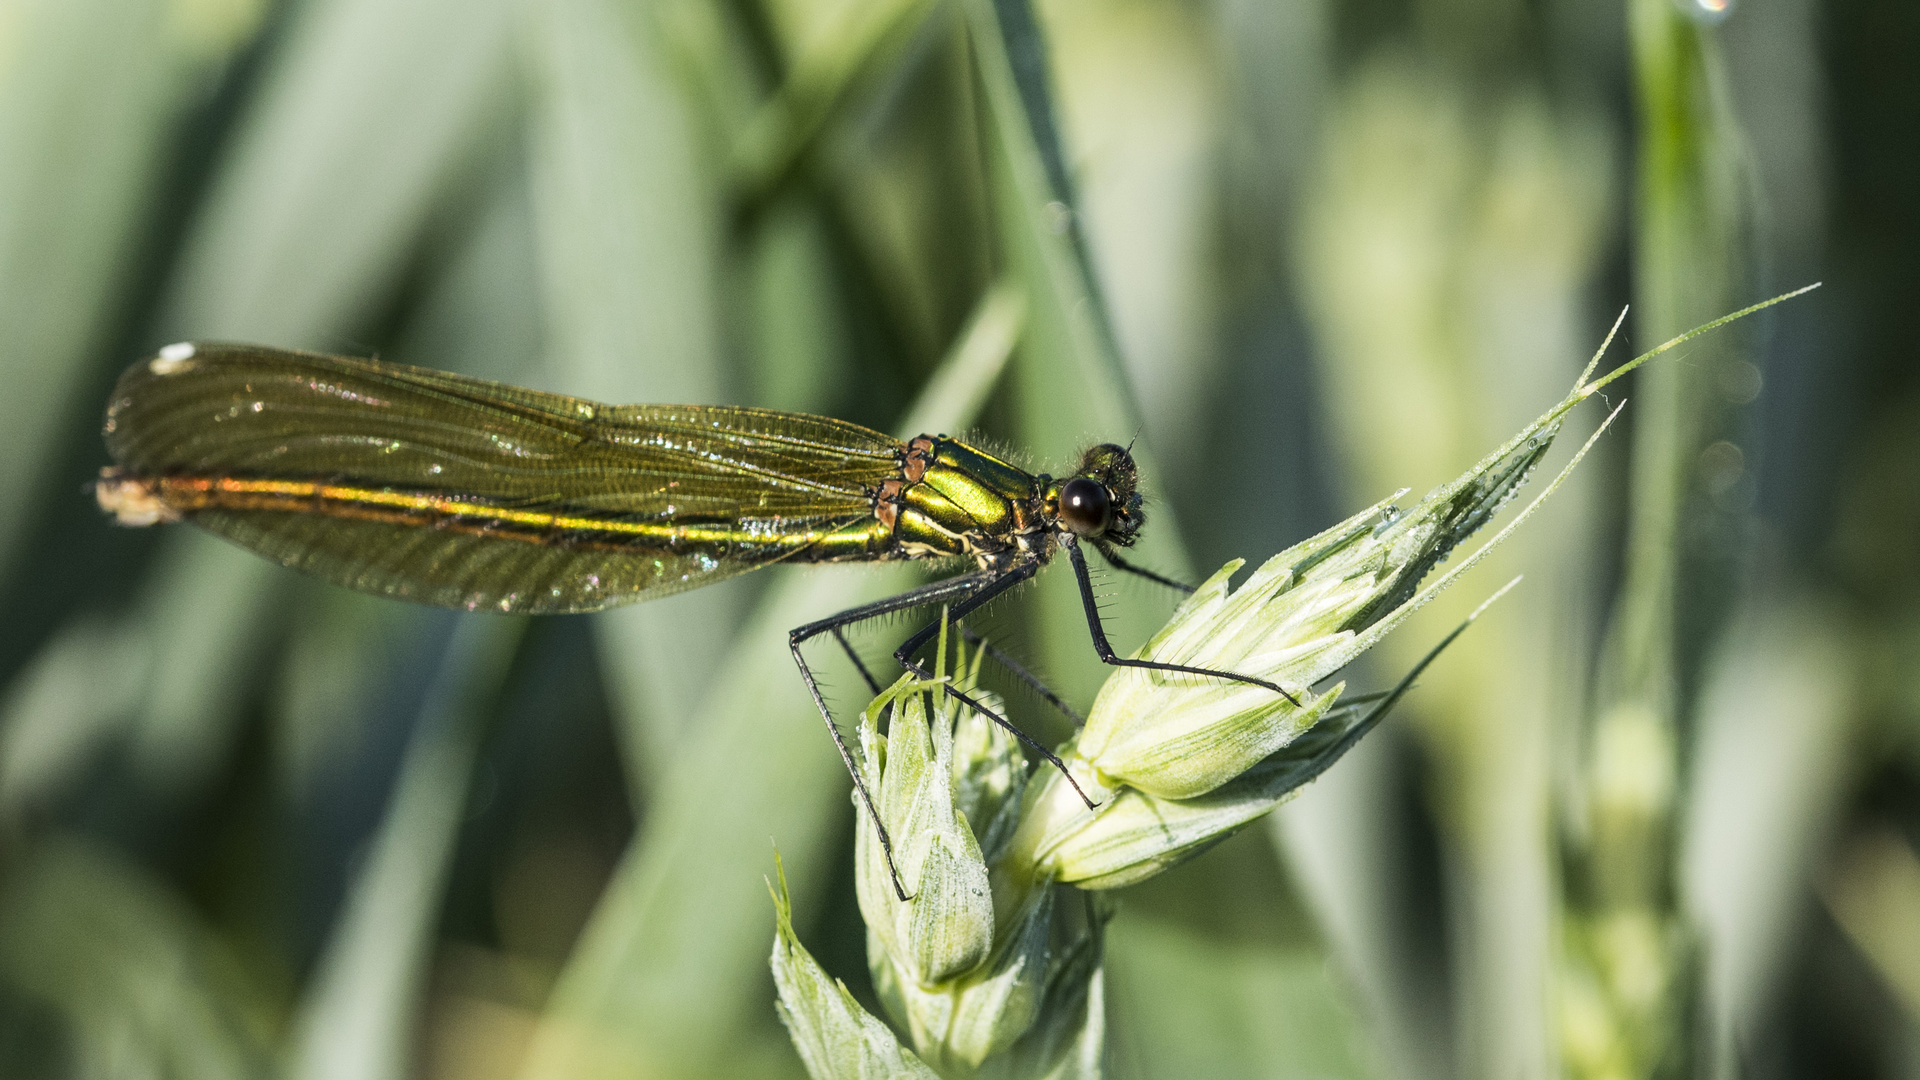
145,500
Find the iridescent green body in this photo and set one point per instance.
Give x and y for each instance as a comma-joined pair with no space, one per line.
465,493
966,502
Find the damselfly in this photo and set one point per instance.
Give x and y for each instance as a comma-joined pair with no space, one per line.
455,491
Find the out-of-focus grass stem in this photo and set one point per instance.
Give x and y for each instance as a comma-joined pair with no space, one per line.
359,1017
1629,985
862,45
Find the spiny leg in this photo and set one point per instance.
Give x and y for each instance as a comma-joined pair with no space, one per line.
1107,552
859,665
846,759
932,593
979,641
1108,656
1019,672
994,654
904,654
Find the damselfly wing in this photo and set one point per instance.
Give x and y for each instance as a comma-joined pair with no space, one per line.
464,493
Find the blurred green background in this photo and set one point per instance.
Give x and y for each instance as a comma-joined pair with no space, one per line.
1656,816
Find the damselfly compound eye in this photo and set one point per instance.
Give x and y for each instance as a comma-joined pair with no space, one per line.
1085,507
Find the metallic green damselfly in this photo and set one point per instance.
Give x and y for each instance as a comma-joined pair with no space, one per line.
455,491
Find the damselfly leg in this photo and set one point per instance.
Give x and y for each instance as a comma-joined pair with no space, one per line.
1108,656
964,595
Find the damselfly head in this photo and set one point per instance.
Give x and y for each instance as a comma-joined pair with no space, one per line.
1101,500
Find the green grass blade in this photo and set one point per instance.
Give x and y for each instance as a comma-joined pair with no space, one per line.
628,222
145,987
361,1011
92,93
369,113
1210,1009
860,45
66,707
163,681
963,381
